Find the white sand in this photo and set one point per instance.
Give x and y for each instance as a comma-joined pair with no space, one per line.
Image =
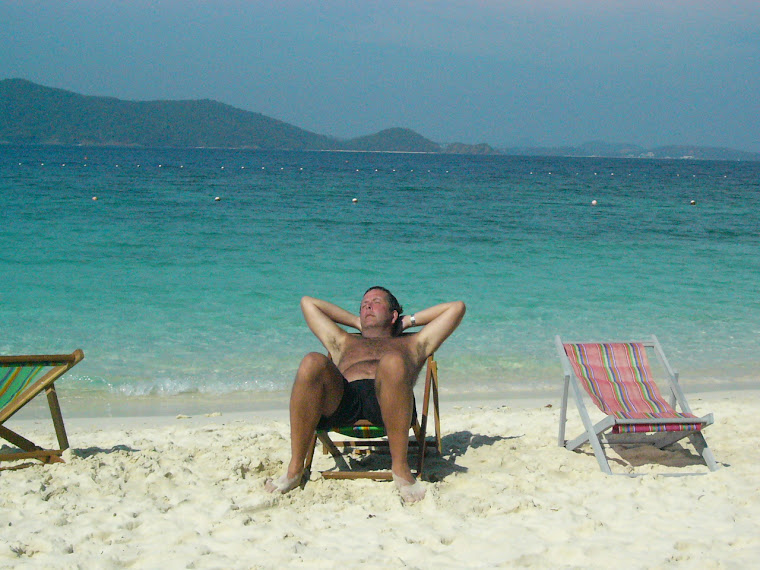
175,493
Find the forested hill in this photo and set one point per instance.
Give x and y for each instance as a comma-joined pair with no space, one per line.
33,114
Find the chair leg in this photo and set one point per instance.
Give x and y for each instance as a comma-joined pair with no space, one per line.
309,458
18,440
563,413
592,431
30,449
699,443
55,412
670,439
419,434
328,444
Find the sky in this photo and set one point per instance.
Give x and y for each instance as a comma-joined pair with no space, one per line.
507,73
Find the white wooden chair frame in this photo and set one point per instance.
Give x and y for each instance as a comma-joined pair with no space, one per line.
596,434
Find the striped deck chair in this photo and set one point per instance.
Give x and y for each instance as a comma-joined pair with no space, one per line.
618,379
364,436
21,379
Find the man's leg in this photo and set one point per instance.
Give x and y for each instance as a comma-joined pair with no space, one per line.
393,385
317,391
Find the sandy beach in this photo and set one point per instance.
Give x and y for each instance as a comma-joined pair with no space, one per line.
187,491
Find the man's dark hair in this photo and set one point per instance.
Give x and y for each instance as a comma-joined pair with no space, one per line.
394,306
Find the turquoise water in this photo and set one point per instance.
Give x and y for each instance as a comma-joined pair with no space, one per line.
169,291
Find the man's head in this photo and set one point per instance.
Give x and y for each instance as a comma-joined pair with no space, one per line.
380,312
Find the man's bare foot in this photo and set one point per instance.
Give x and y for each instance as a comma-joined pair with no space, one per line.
282,484
410,492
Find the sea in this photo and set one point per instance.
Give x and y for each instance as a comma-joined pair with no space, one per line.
179,272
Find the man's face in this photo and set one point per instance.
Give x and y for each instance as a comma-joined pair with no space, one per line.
375,312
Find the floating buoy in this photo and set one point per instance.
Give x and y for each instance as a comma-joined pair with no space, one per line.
693,202
355,200
218,199
95,198
593,202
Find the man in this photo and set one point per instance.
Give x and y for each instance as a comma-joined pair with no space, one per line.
370,376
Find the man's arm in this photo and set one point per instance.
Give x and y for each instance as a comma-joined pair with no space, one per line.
323,319
437,323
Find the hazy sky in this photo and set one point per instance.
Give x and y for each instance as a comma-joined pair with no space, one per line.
505,72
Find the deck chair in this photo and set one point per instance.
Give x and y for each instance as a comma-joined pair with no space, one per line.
21,379
366,437
618,379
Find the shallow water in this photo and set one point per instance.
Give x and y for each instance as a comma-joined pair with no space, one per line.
169,291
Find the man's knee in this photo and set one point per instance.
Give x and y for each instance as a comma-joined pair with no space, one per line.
392,362
393,369
312,365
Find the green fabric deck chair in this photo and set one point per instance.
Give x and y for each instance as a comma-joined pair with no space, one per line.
618,379
366,437
21,379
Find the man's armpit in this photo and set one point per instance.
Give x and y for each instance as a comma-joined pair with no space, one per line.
335,345
422,351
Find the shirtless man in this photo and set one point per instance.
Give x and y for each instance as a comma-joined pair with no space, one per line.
370,376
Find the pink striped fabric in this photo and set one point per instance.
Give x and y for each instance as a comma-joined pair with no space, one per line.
618,379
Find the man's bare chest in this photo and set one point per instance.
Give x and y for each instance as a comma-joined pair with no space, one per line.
371,350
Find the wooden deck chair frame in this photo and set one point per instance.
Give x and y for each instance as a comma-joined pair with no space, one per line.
11,369
417,440
596,434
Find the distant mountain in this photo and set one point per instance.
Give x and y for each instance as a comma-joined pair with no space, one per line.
34,114
462,148
394,140
701,152
611,150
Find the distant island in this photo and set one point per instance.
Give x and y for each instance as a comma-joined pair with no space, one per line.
32,114
603,149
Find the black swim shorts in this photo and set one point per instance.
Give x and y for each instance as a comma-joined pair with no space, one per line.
359,402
